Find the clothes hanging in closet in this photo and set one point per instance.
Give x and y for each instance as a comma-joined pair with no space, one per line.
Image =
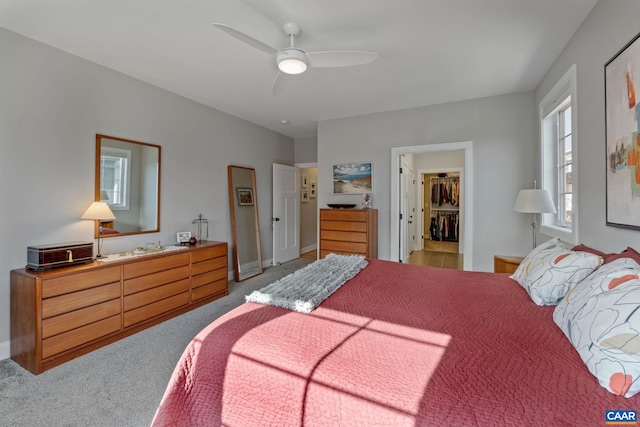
445,226
445,190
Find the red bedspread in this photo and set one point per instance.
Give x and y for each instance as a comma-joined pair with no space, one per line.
398,345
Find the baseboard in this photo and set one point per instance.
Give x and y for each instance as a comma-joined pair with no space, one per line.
5,350
308,249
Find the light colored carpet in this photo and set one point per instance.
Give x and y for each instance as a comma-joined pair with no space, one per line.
120,384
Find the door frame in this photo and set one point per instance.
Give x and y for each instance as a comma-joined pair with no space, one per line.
467,237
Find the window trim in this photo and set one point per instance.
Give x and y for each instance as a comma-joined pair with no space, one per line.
125,176
564,88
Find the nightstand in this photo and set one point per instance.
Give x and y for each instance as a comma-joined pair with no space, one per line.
506,263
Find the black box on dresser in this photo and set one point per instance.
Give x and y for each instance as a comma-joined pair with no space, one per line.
46,257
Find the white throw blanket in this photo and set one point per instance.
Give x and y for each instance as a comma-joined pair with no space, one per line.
305,289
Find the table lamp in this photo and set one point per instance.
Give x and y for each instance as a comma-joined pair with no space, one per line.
98,211
534,201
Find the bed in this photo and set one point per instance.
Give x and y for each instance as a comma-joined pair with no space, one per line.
397,345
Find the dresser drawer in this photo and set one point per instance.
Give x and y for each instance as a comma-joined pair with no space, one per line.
142,268
344,226
209,253
74,338
208,265
53,286
344,247
157,308
209,289
78,318
346,236
203,279
81,299
155,294
156,279
343,215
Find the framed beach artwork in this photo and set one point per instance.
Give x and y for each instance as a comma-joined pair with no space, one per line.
622,109
352,178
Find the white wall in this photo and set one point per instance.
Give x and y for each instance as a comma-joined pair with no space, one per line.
607,29
503,131
51,107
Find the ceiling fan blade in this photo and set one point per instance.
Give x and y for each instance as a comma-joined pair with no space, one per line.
340,58
246,38
276,89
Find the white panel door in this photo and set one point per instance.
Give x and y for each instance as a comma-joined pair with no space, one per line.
286,213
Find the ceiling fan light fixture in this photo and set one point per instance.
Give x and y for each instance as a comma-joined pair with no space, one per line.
292,61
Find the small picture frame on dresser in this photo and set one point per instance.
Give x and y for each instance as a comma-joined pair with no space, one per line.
183,237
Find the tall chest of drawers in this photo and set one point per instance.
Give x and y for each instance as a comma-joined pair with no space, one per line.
58,315
349,232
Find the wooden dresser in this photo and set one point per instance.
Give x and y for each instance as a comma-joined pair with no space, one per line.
60,314
349,231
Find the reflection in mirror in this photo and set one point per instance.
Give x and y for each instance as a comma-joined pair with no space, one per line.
245,227
128,180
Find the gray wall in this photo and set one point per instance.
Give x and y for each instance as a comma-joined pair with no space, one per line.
607,29
503,131
51,107
306,150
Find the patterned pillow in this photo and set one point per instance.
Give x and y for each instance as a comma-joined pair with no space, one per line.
601,318
551,270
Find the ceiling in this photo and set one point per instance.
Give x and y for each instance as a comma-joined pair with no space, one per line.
430,51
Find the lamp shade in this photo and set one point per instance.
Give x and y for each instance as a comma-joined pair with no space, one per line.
534,201
98,211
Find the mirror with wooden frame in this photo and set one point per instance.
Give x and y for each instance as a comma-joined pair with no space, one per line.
128,180
245,227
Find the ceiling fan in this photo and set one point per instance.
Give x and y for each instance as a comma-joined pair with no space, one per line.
293,60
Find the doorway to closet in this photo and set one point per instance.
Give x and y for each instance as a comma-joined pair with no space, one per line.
440,201
416,156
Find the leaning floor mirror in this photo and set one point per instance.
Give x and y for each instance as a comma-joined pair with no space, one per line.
245,227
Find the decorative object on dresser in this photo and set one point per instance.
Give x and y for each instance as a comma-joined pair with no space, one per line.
46,257
506,263
201,228
349,232
183,237
99,212
534,201
61,314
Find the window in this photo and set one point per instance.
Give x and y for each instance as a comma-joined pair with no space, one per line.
558,149
114,177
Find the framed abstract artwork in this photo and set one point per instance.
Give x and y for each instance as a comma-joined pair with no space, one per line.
622,110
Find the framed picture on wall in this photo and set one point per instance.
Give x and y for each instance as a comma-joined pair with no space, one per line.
245,196
622,110
352,178
305,181
312,189
305,195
